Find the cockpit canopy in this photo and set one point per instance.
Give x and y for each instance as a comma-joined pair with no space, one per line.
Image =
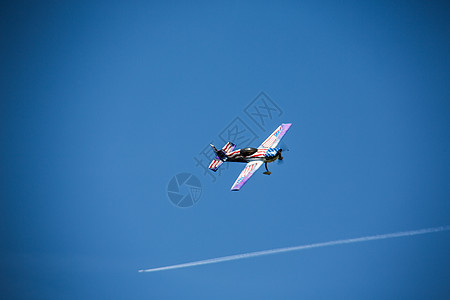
248,151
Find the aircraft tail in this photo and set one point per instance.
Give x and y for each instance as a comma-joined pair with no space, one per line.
221,155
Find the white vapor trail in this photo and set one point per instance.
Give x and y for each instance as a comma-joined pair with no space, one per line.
298,248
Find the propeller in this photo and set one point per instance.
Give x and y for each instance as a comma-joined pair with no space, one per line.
280,161
283,146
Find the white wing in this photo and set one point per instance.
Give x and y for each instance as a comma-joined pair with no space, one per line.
273,139
245,175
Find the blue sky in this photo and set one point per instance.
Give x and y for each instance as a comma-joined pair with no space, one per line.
103,103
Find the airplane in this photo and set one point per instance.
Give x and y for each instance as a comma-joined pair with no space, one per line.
254,157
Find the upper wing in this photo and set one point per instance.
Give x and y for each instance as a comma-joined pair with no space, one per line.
273,139
248,171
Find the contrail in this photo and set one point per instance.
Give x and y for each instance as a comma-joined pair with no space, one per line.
298,248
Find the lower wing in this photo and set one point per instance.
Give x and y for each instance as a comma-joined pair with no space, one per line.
245,175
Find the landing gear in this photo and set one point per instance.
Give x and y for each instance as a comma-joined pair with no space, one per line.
267,170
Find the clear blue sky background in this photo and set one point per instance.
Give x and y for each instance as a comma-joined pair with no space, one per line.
102,103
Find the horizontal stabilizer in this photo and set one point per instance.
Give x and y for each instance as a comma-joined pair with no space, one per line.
221,155
215,164
228,147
